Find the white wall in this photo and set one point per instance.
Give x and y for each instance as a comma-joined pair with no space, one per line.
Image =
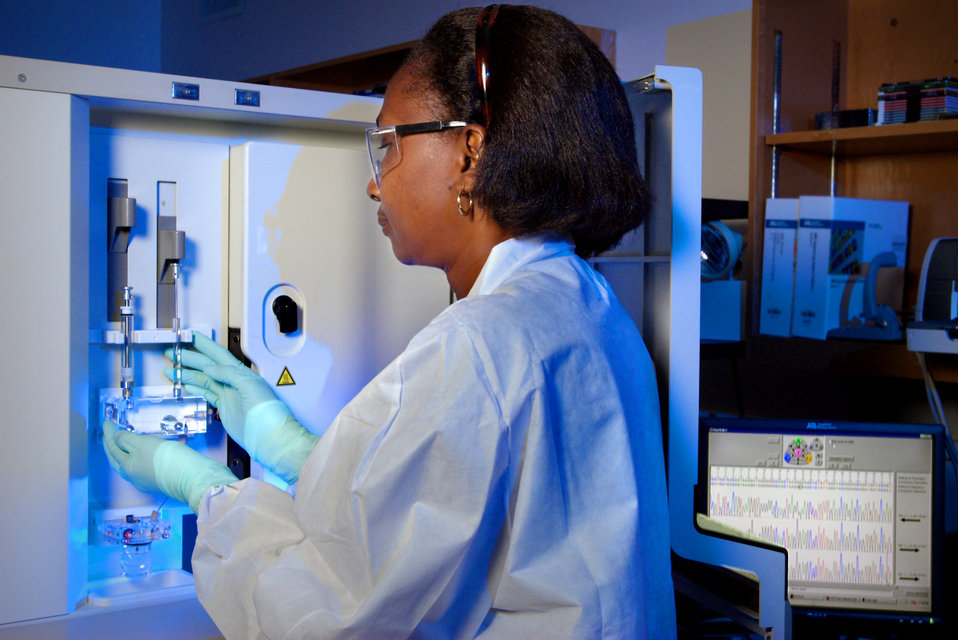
721,47
269,36
174,36
106,33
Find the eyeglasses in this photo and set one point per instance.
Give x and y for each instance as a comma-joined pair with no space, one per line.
383,142
483,44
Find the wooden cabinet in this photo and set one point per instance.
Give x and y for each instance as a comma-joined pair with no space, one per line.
874,41
366,72
838,53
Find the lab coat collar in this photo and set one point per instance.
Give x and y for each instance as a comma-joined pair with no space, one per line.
509,255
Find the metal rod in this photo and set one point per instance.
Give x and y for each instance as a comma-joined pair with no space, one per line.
776,107
836,97
126,358
831,189
177,343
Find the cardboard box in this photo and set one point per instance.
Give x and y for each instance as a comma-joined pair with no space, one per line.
778,266
837,239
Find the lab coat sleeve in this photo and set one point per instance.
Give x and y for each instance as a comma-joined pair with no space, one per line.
396,514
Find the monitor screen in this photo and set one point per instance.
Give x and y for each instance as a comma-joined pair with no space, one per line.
858,507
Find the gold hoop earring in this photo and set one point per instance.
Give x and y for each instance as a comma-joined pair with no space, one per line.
467,211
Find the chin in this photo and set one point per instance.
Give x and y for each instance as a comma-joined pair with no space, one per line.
403,257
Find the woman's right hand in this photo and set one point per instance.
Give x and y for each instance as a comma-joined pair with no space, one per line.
248,407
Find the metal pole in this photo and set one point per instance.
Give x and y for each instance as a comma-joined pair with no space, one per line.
776,107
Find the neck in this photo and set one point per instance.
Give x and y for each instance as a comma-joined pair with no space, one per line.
462,274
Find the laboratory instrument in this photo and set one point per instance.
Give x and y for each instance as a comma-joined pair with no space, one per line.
169,208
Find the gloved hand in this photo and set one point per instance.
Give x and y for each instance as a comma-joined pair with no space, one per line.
248,407
155,465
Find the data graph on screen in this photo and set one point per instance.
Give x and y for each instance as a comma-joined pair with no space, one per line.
853,510
837,525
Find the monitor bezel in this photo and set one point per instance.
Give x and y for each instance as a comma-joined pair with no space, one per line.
937,433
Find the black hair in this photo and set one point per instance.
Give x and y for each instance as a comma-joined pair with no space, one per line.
559,153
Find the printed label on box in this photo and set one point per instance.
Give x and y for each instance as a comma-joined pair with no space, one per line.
837,239
778,266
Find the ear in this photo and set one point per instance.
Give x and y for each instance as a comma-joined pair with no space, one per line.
470,149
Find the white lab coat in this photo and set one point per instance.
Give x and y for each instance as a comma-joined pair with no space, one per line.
502,478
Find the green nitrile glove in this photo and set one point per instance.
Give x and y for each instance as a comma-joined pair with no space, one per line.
155,465
248,407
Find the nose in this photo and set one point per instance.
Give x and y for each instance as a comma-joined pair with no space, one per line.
372,190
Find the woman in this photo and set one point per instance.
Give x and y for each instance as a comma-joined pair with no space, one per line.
503,477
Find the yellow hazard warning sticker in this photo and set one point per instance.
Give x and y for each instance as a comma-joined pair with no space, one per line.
285,378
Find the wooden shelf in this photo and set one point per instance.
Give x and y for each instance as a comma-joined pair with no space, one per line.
910,137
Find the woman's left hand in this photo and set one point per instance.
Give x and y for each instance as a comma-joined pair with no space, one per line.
154,465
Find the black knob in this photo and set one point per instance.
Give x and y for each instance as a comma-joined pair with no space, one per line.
287,313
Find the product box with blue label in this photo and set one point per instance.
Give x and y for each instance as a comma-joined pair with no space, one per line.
778,266
837,240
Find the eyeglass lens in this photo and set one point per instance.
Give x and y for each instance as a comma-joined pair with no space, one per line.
383,150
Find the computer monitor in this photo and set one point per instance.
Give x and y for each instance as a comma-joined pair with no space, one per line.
859,508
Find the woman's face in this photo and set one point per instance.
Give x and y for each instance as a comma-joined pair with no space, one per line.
417,197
